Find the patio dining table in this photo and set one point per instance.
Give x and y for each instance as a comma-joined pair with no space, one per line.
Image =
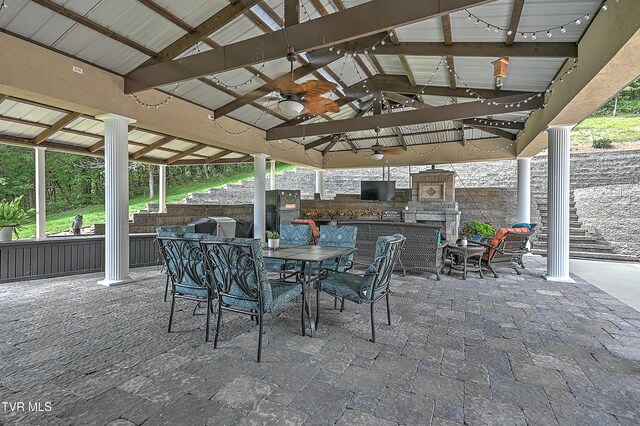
307,256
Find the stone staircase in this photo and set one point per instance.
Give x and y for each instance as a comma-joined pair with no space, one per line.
583,244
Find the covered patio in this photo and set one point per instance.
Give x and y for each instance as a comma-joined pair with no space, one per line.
323,85
511,350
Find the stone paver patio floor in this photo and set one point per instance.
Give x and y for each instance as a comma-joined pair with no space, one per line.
513,350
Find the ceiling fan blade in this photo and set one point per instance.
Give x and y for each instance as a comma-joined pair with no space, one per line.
395,150
316,87
287,87
319,105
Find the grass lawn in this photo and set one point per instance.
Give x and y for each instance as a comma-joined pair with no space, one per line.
61,221
618,129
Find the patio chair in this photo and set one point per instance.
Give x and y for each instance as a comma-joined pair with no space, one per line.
170,231
373,285
338,236
315,232
506,249
289,234
184,263
242,282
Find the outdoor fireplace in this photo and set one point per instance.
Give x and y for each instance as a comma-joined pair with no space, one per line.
433,201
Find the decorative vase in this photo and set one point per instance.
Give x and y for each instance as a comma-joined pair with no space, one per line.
273,244
6,233
464,242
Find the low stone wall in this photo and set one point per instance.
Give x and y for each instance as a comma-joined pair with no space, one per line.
612,211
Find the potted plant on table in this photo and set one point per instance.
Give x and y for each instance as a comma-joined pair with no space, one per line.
476,230
273,240
12,218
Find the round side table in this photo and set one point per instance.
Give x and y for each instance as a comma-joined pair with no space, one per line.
460,256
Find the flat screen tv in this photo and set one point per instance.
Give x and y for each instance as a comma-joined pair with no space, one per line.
378,190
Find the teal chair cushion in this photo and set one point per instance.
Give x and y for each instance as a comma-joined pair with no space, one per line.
295,234
358,288
338,236
186,265
240,271
289,234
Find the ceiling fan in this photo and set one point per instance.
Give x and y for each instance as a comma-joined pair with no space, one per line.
295,98
379,151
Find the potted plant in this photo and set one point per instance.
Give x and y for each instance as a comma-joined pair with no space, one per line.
273,240
12,218
476,230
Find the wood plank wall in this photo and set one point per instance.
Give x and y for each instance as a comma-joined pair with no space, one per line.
53,257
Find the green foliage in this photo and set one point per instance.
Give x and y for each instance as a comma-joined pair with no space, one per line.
618,129
628,102
273,235
12,214
477,227
94,213
605,143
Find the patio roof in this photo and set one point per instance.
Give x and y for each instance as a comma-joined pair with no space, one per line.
427,59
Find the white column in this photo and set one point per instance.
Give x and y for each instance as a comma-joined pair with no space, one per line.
259,209
272,175
116,176
524,190
162,189
558,204
41,200
320,183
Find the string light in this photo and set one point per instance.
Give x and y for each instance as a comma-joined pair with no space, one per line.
3,5
364,50
239,85
172,92
534,34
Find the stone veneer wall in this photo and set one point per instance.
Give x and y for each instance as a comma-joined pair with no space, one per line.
497,206
613,212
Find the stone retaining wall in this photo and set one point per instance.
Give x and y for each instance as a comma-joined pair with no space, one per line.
613,212
497,206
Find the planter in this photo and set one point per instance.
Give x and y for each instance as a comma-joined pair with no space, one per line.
273,244
6,233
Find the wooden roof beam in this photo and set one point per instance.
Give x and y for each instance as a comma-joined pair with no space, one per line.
448,41
337,139
217,156
496,124
55,127
405,100
400,84
245,159
97,146
320,142
157,144
59,147
493,131
356,22
479,49
329,147
94,26
516,13
398,131
432,115
291,12
206,28
193,149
